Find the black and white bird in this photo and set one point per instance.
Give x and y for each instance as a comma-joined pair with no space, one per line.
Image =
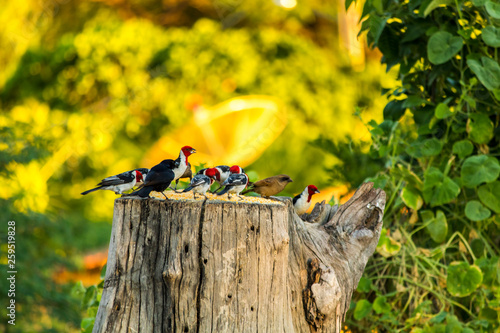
302,201
222,172
158,179
201,183
119,183
234,184
181,163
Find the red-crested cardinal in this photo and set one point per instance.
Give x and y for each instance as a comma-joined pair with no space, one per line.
234,184
201,183
181,163
221,174
158,179
118,183
302,201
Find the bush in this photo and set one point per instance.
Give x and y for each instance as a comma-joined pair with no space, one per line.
436,267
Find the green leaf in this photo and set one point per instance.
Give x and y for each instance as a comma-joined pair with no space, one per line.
487,71
89,297
491,36
434,4
413,101
394,110
87,325
380,305
471,101
463,279
442,111
78,290
475,211
453,325
442,46
363,308
375,25
479,169
479,3
411,198
480,128
387,246
439,189
438,318
103,271
445,193
463,148
409,177
92,311
493,8
437,226
424,148
364,285
489,268
489,194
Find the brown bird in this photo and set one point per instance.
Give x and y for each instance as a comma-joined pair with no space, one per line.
187,174
269,186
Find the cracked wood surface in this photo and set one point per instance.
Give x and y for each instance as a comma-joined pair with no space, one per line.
213,266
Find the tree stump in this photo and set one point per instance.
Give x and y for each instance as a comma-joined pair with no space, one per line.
218,266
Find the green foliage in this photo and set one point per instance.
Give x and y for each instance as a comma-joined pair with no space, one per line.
463,279
440,142
90,298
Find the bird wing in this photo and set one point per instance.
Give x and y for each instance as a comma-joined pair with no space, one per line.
199,180
265,182
237,179
224,168
188,173
159,177
295,198
122,178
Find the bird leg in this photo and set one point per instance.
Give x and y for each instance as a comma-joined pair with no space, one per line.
170,187
164,195
241,198
194,195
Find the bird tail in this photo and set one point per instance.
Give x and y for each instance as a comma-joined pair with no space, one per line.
224,191
250,188
142,192
187,189
92,190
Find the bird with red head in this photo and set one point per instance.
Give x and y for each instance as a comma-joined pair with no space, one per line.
302,201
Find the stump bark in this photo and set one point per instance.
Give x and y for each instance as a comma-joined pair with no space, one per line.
214,266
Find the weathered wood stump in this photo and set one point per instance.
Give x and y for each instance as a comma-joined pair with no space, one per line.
214,266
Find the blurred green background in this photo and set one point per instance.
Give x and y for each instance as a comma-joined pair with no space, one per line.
89,89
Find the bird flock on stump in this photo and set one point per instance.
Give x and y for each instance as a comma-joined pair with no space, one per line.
232,181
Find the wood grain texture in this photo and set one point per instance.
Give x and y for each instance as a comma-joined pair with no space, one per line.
214,266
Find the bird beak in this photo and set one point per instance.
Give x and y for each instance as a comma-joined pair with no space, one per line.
290,181
317,191
193,151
